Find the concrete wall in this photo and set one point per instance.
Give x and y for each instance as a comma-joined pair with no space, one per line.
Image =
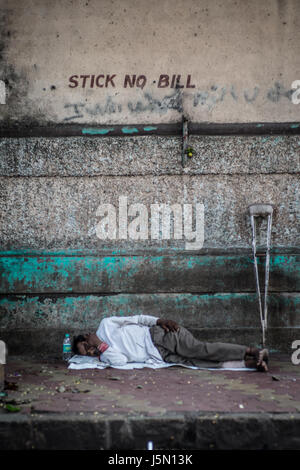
56,274
236,60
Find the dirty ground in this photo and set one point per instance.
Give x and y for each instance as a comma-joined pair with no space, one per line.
37,391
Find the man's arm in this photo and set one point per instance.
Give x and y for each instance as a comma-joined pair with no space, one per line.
149,320
146,320
114,358
168,325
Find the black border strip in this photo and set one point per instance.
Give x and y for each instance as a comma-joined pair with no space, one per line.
169,129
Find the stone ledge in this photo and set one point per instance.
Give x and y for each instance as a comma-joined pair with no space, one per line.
204,431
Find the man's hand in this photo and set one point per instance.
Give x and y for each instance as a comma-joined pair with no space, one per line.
168,325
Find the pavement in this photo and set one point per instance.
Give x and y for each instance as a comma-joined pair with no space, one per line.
48,406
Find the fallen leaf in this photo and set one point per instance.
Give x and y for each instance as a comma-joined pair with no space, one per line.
12,408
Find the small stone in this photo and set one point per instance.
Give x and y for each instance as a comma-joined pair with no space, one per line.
139,386
62,389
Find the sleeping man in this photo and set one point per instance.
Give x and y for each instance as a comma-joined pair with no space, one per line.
146,339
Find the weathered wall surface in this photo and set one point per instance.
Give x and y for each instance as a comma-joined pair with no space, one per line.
133,61
56,273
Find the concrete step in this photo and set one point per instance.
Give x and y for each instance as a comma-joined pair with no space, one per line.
53,407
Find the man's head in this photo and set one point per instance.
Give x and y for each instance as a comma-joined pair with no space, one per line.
83,347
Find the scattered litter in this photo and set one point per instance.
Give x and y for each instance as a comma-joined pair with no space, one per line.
284,377
76,390
10,385
17,401
139,386
241,406
61,389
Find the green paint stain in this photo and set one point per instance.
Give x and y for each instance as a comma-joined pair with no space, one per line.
150,128
49,273
294,126
97,131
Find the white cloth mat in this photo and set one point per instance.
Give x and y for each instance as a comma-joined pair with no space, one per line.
88,362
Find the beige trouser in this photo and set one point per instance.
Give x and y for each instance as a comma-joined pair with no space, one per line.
183,348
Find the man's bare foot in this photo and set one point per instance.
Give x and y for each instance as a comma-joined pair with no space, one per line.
263,359
257,359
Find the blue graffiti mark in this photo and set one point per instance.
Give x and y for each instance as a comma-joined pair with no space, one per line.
129,130
294,126
259,125
150,128
97,131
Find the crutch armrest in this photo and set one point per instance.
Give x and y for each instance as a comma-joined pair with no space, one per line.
260,210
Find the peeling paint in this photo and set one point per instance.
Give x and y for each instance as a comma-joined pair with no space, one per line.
129,130
143,273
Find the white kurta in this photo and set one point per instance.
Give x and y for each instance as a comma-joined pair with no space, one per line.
129,340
